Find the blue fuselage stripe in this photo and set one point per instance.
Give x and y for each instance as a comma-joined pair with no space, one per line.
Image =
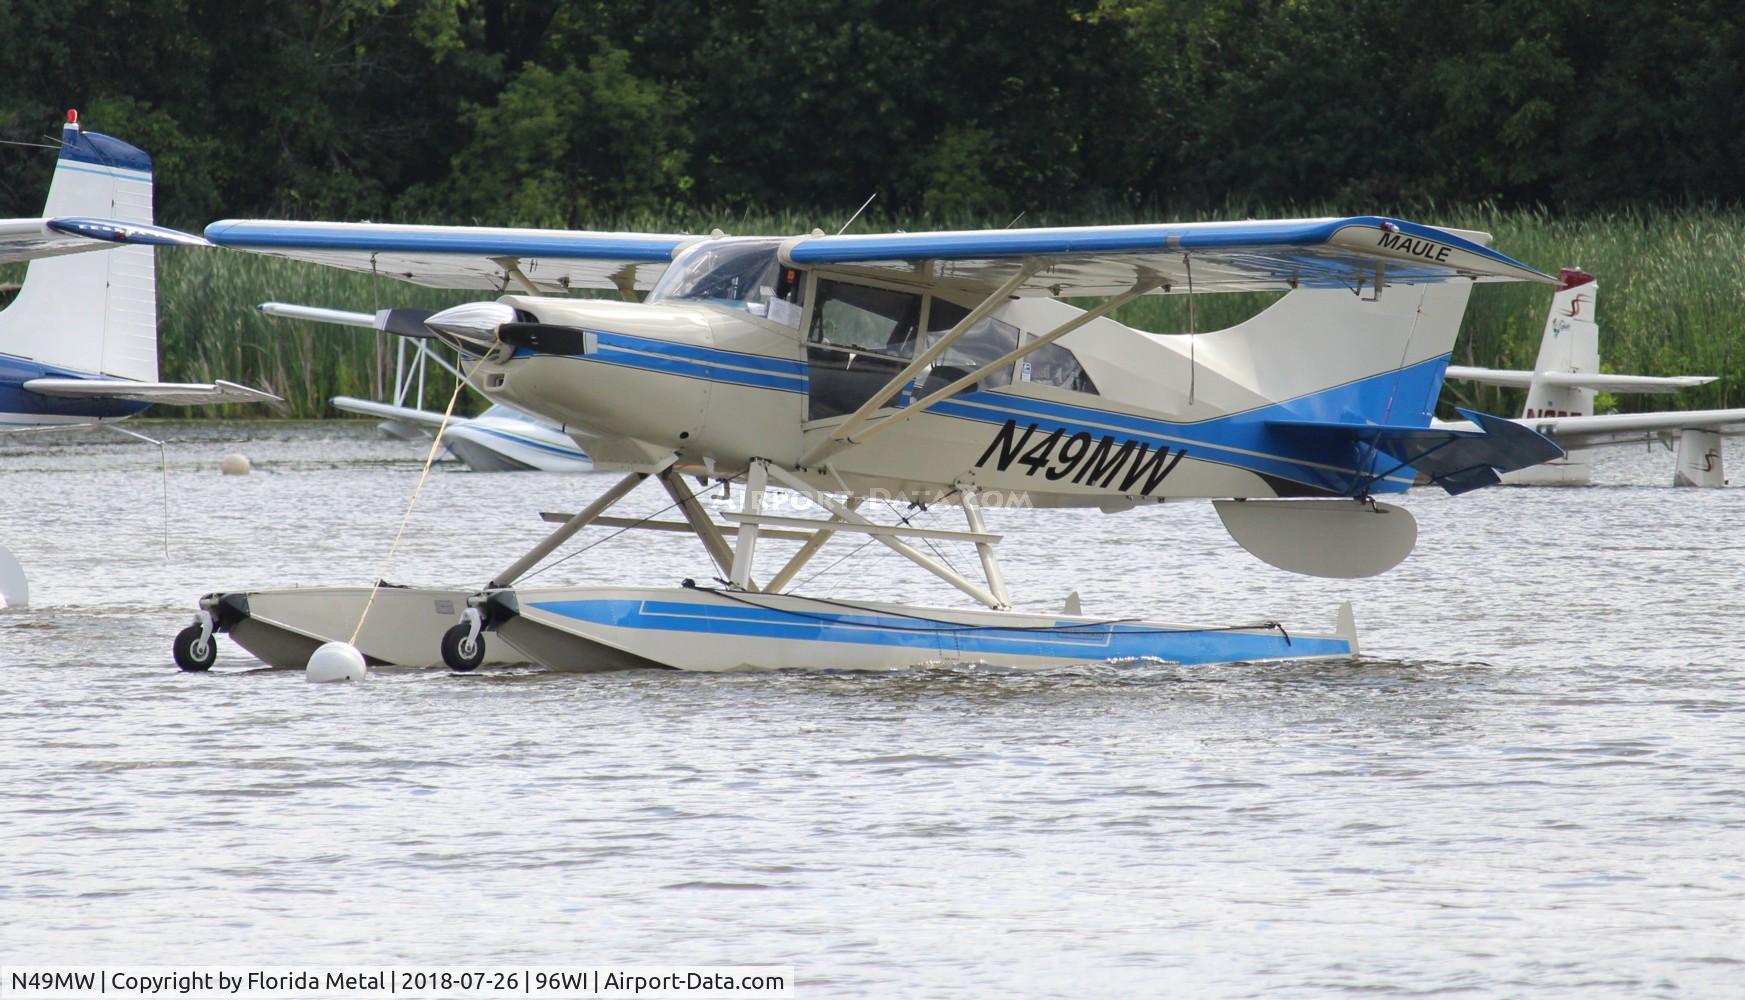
758,362
1082,644
691,369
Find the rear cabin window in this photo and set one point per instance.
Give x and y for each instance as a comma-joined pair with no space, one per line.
986,341
1054,365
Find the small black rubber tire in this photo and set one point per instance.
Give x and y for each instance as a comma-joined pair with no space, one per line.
460,654
192,654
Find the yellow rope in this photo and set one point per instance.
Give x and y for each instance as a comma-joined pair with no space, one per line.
429,460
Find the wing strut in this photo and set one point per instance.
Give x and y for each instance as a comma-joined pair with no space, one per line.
834,446
1029,267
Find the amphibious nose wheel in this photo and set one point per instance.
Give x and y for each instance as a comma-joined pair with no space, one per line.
195,648
463,648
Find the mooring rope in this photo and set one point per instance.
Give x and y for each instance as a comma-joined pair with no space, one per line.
429,460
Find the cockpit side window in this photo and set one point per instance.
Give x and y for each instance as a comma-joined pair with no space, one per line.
861,337
861,318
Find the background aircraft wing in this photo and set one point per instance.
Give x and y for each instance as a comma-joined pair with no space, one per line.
388,411
542,261
1355,253
1578,380
28,239
1490,376
174,393
1625,383
1628,428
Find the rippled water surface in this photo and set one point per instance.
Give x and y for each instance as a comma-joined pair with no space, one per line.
1532,783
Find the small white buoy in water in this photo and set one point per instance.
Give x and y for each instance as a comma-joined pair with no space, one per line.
235,464
335,661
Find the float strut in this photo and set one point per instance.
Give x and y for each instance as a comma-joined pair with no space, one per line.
582,519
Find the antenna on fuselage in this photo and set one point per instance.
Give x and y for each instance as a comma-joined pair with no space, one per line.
856,215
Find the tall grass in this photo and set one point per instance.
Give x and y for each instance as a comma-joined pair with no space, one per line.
1671,301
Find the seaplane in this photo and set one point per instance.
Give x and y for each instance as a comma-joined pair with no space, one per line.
501,439
79,342
1560,400
950,370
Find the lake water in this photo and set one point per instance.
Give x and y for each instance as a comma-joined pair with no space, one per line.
1531,784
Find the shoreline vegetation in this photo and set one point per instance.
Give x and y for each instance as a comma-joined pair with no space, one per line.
1671,302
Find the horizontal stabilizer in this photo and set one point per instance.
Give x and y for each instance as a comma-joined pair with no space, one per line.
172,393
1456,459
1621,428
1578,380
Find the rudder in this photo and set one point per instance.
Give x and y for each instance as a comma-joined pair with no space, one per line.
91,312
1571,343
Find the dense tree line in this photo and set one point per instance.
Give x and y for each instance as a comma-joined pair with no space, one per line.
545,113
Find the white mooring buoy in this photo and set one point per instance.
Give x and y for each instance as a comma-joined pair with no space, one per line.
335,661
235,464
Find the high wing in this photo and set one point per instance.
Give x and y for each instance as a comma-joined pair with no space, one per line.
1625,428
173,393
29,239
1358,252
540,261
1578,380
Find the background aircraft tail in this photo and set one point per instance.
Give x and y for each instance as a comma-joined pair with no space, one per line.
1571,344
53,320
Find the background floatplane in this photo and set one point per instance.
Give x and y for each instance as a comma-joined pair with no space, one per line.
79,343
501,439
944,368
1561,388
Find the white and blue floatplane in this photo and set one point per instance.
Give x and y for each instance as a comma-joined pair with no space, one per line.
948,369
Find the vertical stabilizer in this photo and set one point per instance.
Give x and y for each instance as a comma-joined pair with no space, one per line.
1699,459
1571,344
91,312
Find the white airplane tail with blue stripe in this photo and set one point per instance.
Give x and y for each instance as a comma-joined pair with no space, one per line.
91,312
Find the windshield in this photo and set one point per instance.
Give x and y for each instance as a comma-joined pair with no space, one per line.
739,273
